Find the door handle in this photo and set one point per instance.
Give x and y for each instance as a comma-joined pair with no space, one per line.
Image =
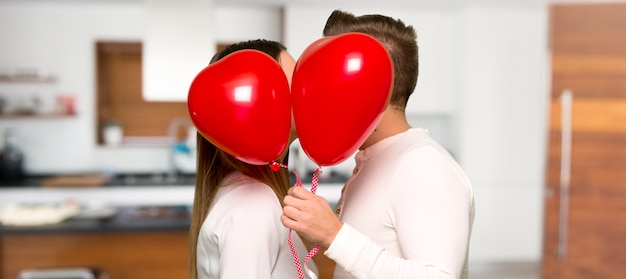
565,172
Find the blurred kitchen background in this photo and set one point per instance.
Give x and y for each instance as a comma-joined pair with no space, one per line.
98,151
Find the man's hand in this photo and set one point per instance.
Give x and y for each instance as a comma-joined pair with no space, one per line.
311,216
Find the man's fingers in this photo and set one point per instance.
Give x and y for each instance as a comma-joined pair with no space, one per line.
290,191
297,203
291,212
291,218
288,222
298,197
289,200
300,192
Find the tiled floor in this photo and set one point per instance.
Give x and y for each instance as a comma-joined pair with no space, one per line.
517,270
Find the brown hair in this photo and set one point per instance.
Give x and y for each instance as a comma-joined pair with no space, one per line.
399,40
214,164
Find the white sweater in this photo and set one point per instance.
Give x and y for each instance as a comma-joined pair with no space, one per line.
407,211
242,236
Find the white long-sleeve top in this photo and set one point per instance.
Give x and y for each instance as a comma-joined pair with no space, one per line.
243,237
407,212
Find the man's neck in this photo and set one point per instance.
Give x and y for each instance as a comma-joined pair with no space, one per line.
393,122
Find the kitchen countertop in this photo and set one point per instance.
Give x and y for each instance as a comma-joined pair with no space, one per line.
150,179
116,180
127,199
148,189
119,196
129,194
123,219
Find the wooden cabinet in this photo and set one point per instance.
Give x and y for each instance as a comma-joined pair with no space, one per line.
585,210
123,255
119,97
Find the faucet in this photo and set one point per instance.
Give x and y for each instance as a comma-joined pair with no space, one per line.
182,153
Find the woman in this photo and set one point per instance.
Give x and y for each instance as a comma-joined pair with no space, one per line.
235,228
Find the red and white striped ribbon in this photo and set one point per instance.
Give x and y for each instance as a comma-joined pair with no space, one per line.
294,253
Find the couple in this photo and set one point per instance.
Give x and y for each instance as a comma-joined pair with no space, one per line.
406,212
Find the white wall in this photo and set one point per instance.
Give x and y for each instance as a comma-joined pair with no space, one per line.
176,35
246,22
504,91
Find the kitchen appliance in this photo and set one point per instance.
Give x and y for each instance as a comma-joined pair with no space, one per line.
11,158
63,273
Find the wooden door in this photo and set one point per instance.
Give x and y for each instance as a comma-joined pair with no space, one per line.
585,208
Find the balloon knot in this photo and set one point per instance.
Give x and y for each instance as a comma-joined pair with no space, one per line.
276,166
318,170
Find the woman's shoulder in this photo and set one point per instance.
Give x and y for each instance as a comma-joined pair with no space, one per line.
244,199
239,182
242,206
244,191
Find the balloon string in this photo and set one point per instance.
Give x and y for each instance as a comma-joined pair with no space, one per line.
314,182
294,253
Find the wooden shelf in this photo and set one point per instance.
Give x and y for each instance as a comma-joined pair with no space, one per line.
35,116
26,79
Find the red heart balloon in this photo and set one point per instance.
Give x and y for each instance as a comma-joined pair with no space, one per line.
242,105
340,88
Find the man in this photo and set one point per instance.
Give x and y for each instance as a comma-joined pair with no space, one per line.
408,209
